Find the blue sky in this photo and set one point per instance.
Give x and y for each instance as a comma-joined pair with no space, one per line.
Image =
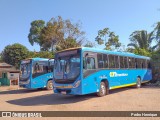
121,16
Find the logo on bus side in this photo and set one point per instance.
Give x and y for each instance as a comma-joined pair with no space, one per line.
115,74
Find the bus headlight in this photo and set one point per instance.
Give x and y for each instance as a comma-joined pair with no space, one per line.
77,84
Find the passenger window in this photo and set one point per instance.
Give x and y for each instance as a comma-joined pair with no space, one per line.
149,64
100,61
90,63
105,59
121,62
131,62
116,61
125,62
139,63
111,61
145,63
40,67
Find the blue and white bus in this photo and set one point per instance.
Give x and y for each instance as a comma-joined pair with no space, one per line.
36,73
80,71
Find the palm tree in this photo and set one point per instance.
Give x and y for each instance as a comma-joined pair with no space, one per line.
142,40
157,34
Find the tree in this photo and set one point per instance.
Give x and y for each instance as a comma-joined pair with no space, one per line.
12,54
157,34
89,44
35,32
1,57
67,43
55,33
113,40
141,41
59,33
41,54
52,34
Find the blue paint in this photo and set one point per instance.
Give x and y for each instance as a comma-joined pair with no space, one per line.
115,77
40,79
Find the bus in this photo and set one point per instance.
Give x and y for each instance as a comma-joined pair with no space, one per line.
82,70
36,73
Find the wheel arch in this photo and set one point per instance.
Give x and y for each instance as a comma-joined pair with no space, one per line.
106,82
138,76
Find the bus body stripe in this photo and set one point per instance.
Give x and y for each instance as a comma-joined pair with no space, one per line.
115,87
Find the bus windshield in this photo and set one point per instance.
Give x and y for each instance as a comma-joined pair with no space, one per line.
67,67
25,70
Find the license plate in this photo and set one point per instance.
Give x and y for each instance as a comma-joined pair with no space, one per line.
63,92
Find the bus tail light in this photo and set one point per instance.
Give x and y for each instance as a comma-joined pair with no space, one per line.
76,84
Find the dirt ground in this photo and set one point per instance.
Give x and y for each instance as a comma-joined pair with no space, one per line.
124,99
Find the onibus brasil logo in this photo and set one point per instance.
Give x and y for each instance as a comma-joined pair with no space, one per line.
115,74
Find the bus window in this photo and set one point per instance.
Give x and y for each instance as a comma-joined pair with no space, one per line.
121,62
105,59
40,68
144,63
111,61
125,62
131,62
116,62
139,63
149,64
90,63
100,61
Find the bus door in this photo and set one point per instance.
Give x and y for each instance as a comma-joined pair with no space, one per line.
39,74
90,77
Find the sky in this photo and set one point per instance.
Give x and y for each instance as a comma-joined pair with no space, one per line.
121,16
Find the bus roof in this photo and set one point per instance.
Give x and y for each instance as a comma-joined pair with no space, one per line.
128,54
37,59
119,53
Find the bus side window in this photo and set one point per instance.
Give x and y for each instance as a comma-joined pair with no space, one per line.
144,63
149,64
121,62
131,62
139,64
136,63
100,61
90,63
125,62
116,61
105,59
111,61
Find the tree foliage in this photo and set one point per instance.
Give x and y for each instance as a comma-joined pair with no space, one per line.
41,54
141,42
108,38
52,33
89,44
12,54
35,32
58,32
67,43
157,34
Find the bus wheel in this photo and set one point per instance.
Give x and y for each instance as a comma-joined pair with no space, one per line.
103,90
138,85
49,85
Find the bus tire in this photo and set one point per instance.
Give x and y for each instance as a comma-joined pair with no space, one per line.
103,90
138,84
49,85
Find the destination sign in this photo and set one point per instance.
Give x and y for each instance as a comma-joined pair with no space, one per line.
25,61
67,53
